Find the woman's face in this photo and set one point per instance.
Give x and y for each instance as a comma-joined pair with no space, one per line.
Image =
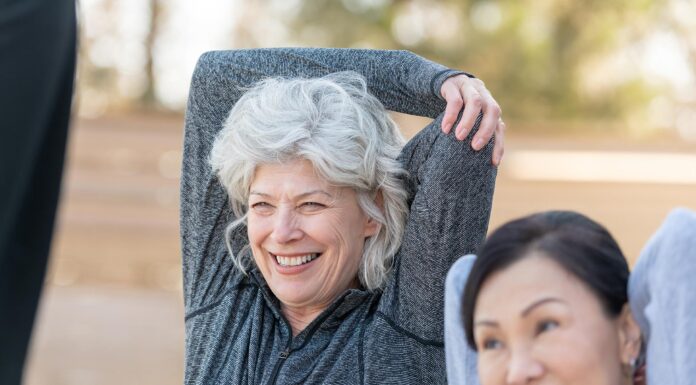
535,322
306,236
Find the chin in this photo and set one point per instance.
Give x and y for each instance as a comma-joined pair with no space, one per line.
290,293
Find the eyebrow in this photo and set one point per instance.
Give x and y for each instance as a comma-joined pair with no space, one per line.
486,323
300,196
538,303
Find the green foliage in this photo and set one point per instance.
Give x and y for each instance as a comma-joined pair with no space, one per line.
531,53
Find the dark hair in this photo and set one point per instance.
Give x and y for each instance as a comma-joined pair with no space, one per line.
580,245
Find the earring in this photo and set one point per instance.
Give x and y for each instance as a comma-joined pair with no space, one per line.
629,369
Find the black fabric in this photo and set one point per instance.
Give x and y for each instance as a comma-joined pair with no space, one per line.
37,66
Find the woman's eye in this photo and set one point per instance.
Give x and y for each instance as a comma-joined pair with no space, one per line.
546,325
312,205
491,343
261,206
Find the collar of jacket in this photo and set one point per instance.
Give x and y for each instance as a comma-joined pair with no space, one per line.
331,317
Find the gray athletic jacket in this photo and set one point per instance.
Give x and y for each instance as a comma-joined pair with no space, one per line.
235,332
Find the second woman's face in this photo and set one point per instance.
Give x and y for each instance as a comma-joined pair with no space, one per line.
536,323
306,235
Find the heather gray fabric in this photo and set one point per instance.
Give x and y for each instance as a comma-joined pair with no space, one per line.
462,360
662,294
235,333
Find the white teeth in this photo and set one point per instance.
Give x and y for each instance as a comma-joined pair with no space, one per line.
296,261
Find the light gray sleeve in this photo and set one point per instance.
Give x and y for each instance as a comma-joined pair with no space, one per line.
662,295
461,358
402,81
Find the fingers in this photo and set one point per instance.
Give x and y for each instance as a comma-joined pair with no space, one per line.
472,94
499,145
472,107
491,119
454,104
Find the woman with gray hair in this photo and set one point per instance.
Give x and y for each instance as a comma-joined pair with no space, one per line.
315,244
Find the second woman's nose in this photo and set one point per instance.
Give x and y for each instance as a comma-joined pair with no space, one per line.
523,369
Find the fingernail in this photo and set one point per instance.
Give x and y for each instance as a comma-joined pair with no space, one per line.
478,143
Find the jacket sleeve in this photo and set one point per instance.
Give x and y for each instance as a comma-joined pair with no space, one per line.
461,359
452,189
403,82
661,293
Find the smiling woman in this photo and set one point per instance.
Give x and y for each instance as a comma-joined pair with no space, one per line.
547,301
347,139
315,247
307,238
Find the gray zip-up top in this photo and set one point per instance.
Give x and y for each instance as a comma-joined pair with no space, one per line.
235,332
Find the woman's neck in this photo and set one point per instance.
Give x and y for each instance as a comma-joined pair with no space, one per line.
300,318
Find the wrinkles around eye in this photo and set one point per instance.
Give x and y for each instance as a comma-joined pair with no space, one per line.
261,207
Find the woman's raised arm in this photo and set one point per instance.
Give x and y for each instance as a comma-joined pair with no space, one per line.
452,188
403,81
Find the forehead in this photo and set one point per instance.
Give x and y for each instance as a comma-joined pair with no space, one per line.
507,292
292,176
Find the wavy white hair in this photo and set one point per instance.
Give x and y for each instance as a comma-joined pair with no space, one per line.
347,135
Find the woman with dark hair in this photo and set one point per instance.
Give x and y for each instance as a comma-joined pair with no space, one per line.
546,300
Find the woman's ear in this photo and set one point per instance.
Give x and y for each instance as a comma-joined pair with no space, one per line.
372,227
629,337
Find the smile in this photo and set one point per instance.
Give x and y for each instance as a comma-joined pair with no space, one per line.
296,260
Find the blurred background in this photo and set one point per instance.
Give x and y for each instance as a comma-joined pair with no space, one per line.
599,98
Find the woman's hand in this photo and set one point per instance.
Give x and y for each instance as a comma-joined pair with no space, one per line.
472,94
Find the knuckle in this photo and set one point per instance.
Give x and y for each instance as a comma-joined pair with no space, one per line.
456,101
476,101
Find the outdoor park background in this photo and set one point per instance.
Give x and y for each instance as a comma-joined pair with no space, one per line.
599,98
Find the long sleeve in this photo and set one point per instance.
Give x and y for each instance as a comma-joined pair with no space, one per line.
461,358
661,293
403,82
452,189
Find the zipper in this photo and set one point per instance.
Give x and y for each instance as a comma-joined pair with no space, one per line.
286,353
281,359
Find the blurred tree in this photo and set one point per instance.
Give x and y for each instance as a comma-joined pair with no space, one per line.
543,59
149,97
117,54
531,53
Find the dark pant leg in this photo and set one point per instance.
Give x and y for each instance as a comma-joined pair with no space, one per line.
37,66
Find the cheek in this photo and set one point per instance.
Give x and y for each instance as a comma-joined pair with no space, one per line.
492,367
258,230
579,355
255,229
335,230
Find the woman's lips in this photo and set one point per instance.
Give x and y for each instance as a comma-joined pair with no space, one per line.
293,264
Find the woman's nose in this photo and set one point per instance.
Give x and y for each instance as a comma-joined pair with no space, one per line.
523,369
286,228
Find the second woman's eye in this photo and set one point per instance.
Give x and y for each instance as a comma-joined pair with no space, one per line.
546,325
491,344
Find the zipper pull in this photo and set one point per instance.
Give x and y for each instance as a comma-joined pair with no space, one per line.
284,354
